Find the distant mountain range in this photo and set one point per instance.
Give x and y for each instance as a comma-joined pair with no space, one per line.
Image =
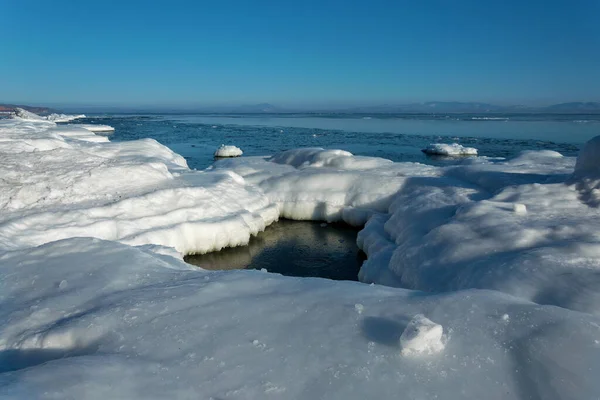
449,107
431,107
36,110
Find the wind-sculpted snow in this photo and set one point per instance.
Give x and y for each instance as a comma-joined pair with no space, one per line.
96,303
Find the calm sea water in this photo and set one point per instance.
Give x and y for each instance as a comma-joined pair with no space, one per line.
396,137
303,248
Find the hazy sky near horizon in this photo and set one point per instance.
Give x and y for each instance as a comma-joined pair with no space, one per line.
298,53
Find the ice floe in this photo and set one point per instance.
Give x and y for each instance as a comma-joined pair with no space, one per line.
454,149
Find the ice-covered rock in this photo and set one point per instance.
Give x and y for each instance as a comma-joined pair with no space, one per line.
228,151
454,149
63,117
588,160
422,336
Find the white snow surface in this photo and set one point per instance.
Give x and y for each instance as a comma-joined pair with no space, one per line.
57,183
487,275
228,151
453,149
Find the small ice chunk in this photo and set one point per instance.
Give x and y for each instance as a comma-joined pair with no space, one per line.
228,151
505,318
422,336
519,208
454,149
63,284
359,308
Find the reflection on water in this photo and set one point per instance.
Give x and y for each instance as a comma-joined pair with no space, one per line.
293,248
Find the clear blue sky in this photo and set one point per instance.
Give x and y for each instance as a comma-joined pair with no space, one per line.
298,52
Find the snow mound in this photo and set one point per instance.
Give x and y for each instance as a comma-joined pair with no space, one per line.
588,160
422,336
450,150
228,151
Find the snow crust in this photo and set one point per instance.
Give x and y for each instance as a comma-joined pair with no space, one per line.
95,301
228,151
453,149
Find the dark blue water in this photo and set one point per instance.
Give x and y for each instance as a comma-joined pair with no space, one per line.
293,248
398,138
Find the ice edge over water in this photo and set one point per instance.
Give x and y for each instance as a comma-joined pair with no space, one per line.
131,320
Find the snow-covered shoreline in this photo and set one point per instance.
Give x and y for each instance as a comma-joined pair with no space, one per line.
95,300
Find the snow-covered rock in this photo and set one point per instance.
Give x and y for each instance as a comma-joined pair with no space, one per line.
228,151
454,149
